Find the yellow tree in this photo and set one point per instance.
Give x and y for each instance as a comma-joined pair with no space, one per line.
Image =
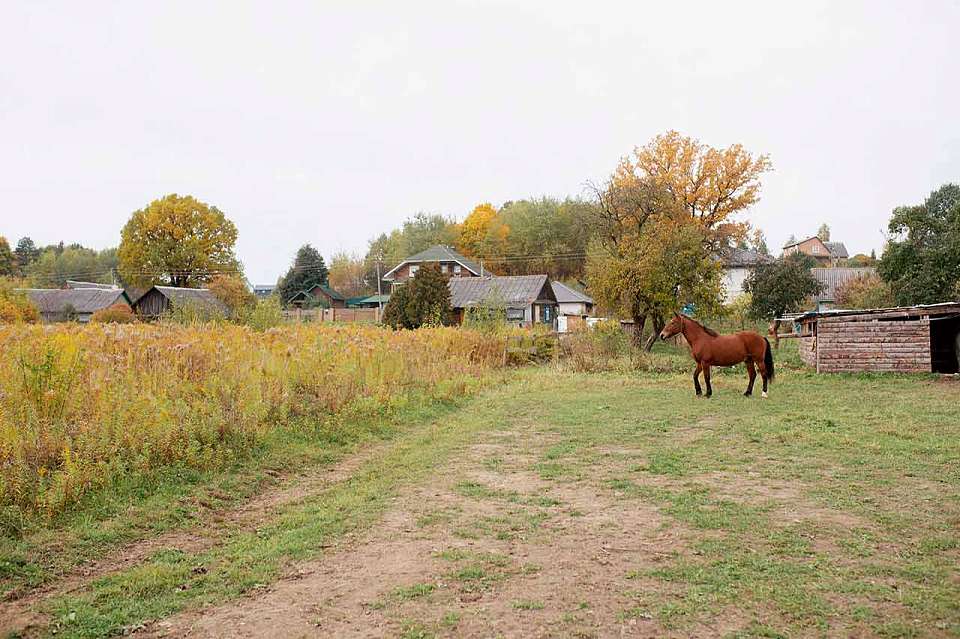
177,240
347,275
483,233
711,185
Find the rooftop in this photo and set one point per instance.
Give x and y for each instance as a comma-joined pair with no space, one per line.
833,278
437,253
81,300
512,290
568,295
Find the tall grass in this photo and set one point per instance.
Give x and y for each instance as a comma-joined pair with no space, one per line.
81,406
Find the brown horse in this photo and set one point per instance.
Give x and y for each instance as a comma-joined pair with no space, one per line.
712,349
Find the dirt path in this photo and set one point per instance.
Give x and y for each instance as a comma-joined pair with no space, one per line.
490,547
20,612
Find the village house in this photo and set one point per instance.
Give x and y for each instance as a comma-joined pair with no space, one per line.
68,304
450,261
263,291
737,266
159,300
825,253
319,295
527,299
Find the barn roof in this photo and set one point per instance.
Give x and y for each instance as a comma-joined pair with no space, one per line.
513,290
196,296
941,308
438,253
568,295
82,300
833,278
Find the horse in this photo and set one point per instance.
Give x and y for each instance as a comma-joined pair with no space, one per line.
709,348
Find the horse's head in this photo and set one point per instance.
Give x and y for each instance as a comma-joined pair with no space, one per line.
674,326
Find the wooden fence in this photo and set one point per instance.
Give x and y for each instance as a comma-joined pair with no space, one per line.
371,315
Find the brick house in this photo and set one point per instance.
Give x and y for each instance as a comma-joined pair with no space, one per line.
452,264
825,253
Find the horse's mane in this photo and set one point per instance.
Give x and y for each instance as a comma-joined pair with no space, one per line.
706,329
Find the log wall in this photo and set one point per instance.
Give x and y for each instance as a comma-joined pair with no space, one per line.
843,344
808,350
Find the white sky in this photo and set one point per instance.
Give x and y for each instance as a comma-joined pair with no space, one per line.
329,122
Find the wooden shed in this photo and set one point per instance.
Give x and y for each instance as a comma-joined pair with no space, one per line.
159,300
904,339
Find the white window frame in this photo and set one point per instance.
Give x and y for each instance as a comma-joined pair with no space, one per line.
444,268
413,269
457,269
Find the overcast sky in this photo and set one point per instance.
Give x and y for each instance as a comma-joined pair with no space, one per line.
329,122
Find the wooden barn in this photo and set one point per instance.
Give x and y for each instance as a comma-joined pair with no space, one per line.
65,305
920,339
161,299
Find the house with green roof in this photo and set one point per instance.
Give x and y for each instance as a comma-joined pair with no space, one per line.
319,295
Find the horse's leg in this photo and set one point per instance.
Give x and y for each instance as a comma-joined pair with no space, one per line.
696,380
706,378
763,376
752,373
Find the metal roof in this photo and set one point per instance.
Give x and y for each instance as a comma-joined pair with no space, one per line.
833,278
739,258
82,300
513,290
837,249
567,295
197,296
438,253
77,284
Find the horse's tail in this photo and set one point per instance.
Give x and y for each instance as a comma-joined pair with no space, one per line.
768,360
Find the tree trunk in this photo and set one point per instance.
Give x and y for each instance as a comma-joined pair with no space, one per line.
657,327
639,322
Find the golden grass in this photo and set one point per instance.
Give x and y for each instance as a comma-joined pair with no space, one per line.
83,405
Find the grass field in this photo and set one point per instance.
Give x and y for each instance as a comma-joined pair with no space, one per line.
553,503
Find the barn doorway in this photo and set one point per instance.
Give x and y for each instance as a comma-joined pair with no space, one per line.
945,344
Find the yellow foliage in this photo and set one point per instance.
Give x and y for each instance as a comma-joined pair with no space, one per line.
483,233
16,308
709,184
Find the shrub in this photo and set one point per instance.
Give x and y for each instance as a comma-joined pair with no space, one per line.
424,300
119,313
267,313
864,291
596,348
16,308
234,294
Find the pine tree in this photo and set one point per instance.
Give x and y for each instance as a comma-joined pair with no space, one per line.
308,271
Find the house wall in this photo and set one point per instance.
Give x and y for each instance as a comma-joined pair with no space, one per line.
402,274
843,344
574,308
733,279
153,304
821,253
808,350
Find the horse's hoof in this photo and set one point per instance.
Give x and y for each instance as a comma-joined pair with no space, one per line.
764,394
748,394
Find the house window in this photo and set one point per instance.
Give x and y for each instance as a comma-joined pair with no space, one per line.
515,314
456,269
413,269
816,248
444,268
546,314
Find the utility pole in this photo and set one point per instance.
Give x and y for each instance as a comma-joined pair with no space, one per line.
481,267
379,293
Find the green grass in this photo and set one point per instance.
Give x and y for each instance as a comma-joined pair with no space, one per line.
832,508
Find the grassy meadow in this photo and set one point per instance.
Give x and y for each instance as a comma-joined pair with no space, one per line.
589,496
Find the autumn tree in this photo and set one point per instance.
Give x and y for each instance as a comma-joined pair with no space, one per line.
8,263
58,263
922,260
307,271
483,233
781,286
864,291
234,293
347,275
546,236
177,240
649,257
711,185
824,232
